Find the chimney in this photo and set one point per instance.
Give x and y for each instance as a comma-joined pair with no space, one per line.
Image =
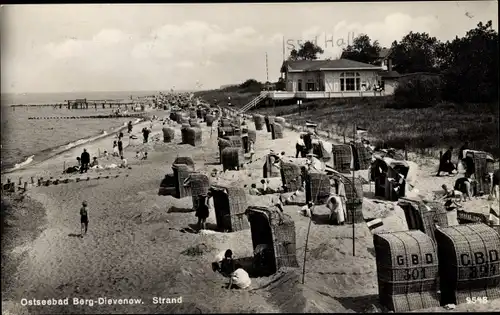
389,64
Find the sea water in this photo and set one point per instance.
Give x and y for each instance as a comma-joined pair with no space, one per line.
26,140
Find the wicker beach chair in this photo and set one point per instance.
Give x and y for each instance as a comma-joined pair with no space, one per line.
276,231
230,204
407,270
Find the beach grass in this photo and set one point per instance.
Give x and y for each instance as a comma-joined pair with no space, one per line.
423,130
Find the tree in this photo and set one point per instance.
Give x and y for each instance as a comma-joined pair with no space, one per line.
251,85
362,50
307,51
470,68
416,52
281,85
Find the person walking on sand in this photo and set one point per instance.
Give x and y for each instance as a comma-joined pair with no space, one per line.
120,146
85,159
84,218
129,127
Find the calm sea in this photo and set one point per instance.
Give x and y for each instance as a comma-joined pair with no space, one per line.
26,140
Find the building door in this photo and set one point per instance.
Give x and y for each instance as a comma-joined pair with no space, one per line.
310,86
299,83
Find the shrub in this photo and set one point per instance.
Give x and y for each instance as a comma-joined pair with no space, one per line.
417,91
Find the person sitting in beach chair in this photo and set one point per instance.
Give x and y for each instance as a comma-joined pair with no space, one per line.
94,162
445,164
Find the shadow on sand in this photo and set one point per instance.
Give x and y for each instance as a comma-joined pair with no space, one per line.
74,235
359,304
179,210
321,219
212,163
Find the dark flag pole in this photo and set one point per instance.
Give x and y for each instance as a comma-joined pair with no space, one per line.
353,210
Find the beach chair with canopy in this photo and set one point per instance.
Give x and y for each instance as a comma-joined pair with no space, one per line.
390,177
483,164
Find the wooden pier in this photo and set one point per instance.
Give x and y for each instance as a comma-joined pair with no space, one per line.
83,104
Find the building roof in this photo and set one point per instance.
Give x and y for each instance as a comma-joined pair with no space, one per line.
316,65
389,74
384,53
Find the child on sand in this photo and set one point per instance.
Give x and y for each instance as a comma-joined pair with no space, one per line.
202,212
115,148
123,162
84,218
452,193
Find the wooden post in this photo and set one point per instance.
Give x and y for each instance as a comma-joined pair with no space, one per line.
64,166
353,210
305,251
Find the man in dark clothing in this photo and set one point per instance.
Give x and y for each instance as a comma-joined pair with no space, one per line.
129,126
145,133
120,146
85,160
445,164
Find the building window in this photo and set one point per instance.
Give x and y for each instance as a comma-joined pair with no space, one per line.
310,85
350,81
299,83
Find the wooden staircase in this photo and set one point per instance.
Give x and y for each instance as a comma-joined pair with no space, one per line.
253,102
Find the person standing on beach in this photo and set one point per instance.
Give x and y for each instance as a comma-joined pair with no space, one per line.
129,127
202,211
85,159
145,133
84,218
115,148
120,146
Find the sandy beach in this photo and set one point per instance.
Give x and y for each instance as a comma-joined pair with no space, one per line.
137,246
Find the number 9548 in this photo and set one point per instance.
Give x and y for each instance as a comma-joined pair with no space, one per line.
477,300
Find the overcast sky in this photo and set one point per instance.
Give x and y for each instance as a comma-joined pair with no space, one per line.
78,47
